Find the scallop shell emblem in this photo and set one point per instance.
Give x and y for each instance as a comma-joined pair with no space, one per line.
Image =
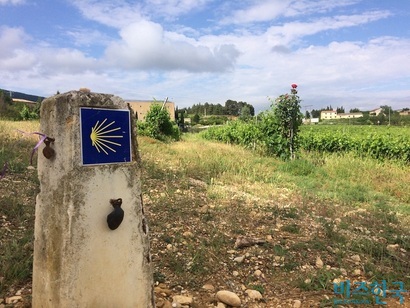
102,136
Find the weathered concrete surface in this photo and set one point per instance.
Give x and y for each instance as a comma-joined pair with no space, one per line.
78,260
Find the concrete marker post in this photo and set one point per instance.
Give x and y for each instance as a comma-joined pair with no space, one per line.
79,260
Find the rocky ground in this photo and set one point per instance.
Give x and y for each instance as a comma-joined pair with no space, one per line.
214,245
257,253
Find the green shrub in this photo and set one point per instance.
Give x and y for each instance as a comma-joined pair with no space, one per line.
158,125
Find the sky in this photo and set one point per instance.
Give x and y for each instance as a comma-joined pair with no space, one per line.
350,53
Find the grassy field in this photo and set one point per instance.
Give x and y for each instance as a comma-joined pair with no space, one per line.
321,219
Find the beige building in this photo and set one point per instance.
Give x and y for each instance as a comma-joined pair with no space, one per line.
375,112
141,108
328,114
349,115
333,115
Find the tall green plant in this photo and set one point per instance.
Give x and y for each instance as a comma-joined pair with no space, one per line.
158,124
288,118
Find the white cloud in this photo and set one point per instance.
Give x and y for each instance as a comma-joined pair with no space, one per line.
11,39
305,7
117,14
173,8
121,13
14,55
12,2
19,52
262,11
88,37
65,60
268,10
294,30
145,45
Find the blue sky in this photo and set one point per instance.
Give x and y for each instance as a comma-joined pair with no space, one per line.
351,53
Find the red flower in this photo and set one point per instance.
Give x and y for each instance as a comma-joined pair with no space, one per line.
294,85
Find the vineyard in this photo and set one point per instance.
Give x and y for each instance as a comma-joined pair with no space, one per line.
379,142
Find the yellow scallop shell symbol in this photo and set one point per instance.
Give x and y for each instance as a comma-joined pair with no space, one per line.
101,137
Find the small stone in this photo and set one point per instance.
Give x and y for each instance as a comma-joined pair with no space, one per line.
343,272
392,248
13,299
169,246
297,303
229,298
254,294
208,287
183,300
231,252
258,273
356,258
279,258
235,273
31,168
187,234
239,259
164,291
308,280
319,262
269,238
357,272
220,305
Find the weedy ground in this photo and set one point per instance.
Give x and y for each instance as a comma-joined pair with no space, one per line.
200,197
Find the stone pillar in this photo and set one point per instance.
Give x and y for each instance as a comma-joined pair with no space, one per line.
79,261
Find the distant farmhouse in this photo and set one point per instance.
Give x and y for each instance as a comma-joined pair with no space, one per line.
333,115
141,108
404,112
375,112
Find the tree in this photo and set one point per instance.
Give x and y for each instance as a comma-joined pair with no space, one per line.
231,108
354,110
5,101
196,118
340,110
387,110
307,114
315,113
245,113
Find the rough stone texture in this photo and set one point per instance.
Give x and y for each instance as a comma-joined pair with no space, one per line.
78,260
